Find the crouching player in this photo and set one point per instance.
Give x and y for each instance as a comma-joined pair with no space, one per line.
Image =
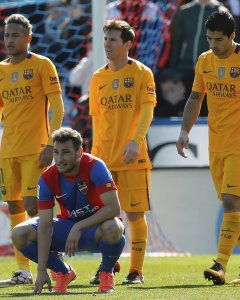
89,205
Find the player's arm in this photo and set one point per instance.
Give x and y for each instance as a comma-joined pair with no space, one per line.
131,151
110,210
190,115
44,241
1,108
94,112
56,104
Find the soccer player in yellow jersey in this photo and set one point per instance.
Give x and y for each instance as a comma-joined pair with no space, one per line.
122,99
29,85
217,75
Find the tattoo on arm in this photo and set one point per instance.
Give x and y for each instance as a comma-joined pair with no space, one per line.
195,95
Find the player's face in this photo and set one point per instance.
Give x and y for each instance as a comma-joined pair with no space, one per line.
114,47
67,158
220,43
15,39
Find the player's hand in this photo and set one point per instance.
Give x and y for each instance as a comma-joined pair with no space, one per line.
46,156
73,238
131,152
182,143
42,278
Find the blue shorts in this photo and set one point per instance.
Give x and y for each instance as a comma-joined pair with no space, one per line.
61,229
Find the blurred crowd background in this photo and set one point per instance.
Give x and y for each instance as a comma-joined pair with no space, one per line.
170,35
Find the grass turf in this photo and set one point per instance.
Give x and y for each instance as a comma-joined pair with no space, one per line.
165,278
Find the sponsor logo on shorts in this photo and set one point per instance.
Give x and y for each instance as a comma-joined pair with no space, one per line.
31,188
230,185
135,204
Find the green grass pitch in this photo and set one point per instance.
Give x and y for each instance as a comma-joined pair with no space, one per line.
165,278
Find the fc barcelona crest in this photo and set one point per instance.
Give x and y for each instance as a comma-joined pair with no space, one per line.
235,72
128,82
28,74
221,72
82,187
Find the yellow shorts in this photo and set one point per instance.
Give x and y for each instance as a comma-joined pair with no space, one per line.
19,177
225,170
133,189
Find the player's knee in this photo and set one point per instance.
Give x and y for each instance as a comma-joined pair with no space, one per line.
231,203
20,236
112,230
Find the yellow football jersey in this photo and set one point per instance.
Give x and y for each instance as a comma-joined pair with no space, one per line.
23,97
220,80
115,100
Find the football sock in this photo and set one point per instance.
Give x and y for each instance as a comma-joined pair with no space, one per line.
110,254
22,261
229,234
54,262
138,235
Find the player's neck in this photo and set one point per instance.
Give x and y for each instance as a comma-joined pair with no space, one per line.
16,59
229,52
116,65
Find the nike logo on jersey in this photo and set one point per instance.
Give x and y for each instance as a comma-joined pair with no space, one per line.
102,86
230,186
205,72
134,204
31,188
60,196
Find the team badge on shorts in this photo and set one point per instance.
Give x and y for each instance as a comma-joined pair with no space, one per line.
28,74
82,187
235,72
221,72
129,82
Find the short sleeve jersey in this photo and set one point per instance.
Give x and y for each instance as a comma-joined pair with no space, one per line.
78,197
23,95
115,101
220,80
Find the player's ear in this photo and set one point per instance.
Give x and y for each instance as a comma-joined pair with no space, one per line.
80,152
29,38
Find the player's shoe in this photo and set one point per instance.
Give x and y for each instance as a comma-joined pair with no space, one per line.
216,273
63,280
106,282
133,278
19,277
96,280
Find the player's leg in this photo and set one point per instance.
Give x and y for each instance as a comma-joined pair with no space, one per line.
95,279
225,171
10,177
25,239
133,188
107,239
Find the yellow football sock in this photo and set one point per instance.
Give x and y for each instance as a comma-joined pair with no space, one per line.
229,234
22,261
138,235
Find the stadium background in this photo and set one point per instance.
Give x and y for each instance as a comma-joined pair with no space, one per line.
178,211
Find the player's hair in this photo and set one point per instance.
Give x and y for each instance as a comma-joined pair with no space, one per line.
68,134
21,20
127,32
221,21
